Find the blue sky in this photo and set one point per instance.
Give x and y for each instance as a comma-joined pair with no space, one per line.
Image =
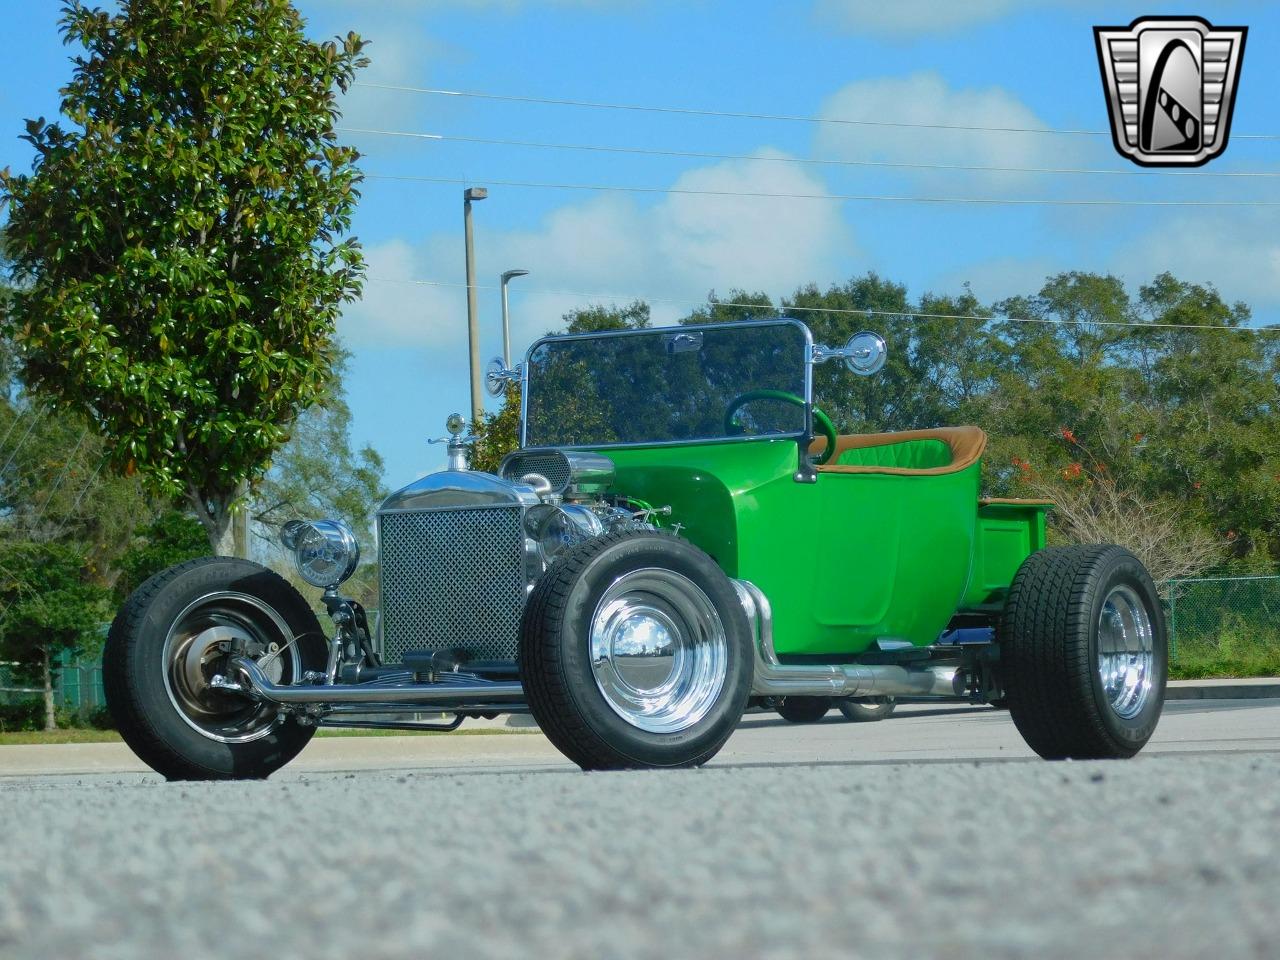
987,63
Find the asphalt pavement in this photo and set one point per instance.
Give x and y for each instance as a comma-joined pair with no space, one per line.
832,840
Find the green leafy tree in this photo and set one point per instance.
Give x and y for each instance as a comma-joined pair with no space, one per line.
178,240
937,367
50,606
173,537
1092,409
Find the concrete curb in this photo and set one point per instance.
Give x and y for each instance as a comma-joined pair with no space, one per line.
1257,688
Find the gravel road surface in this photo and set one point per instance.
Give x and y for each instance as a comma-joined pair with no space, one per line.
1174,855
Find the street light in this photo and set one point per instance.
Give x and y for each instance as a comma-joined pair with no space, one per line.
506,314
473,326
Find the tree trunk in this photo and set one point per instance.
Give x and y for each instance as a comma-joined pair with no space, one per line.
215,517
50,717
223,539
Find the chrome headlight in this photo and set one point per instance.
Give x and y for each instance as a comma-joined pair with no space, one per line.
556,528
325,551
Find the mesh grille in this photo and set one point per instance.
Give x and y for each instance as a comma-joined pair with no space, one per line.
452,579
551,465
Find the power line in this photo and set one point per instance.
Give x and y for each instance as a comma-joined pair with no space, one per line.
740,115
878,198
35,420
16,419
911,314
818,161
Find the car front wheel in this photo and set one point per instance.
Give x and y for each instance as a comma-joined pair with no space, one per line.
635,652
169,641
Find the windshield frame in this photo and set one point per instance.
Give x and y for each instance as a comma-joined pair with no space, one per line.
802,437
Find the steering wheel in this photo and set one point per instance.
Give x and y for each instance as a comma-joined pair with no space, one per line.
820,419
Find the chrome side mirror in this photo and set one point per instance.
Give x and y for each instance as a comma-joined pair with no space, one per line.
498,377
864,354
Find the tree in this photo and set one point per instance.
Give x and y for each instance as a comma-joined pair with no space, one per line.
173,537
50,607
178,242
937,367
1161,416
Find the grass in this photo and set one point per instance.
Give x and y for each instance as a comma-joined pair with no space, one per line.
21,738
1230,655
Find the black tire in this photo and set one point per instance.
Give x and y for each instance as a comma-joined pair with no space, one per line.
556,667
803,709
867,709
139,686
1049,642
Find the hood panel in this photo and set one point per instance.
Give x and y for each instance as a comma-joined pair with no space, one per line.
450,489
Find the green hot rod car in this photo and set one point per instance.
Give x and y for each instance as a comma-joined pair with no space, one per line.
681,534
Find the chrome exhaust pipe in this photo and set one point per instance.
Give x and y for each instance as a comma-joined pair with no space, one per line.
775,679
469,695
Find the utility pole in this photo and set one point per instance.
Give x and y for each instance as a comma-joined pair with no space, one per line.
506,315
240,522
473,323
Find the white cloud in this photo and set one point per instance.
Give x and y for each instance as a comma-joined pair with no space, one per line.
613,245
926,98
396,312
902,18
1237,253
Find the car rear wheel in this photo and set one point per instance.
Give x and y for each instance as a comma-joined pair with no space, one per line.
635,652
867,709
1084,653
803,709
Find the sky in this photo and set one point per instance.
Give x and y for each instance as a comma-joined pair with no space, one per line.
989,63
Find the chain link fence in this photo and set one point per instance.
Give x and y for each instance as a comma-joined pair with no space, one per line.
77,685
1224,626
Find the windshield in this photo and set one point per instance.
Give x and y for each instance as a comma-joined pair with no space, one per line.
667,384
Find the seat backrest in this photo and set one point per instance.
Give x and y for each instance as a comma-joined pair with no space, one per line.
909,454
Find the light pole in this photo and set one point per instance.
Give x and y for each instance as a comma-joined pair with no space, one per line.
506,314
473,325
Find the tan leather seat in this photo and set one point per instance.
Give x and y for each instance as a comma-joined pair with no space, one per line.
897,453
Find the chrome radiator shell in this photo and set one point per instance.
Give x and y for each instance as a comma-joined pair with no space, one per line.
453,567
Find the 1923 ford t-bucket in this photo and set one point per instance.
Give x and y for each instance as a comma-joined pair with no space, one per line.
681,533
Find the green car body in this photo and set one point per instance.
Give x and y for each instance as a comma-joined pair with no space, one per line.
850,559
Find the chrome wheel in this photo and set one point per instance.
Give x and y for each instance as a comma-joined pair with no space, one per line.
1126,652
197,647
659,651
